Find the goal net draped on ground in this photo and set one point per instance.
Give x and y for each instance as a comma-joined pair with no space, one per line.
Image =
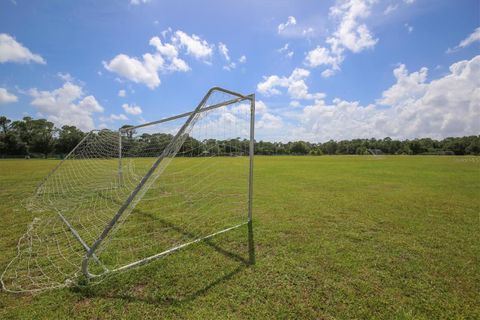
123,198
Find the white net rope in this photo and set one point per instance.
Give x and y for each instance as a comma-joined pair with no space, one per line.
199,188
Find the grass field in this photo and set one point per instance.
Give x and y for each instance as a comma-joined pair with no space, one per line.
336,237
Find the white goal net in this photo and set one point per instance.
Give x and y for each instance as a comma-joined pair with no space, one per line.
123,198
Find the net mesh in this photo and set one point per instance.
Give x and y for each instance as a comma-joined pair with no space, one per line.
199,187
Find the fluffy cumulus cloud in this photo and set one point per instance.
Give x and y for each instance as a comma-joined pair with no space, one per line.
166,58
7,97
412,107
473,37
132,109
66,105
137,70
13,51
351,33
194,45
146,70
295,85
122,93
324,56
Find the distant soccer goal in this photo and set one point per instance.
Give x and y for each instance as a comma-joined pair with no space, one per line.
124,198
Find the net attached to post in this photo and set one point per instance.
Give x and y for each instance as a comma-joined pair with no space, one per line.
199,189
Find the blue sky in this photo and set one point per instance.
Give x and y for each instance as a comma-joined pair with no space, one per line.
320,69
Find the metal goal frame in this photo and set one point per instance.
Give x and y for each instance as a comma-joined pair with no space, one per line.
90,250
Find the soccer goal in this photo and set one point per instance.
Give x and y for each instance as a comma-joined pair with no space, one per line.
124,198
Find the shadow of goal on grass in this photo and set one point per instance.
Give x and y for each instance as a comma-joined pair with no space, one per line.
162,282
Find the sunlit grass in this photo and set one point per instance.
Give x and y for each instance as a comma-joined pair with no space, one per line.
336,237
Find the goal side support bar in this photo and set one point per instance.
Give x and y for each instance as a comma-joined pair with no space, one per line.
166,151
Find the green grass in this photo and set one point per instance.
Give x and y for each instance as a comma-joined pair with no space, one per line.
336,237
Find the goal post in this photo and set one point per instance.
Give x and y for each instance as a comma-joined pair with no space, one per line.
124,198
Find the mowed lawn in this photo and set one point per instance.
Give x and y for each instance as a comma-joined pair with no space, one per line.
336,237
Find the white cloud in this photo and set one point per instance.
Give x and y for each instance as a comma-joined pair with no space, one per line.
390,9
7,97
140,71
411,108
122,93
116,117
266,122
132,109
292,29
13,51
137,2
350,34
113,117
323,56
222,48
269,121
230,66
195,46
147,69
327,73
166,50
242,59
166,58
66,105
307,32
473,37
294,103
286,50
409,1
408,27
295,84
409,86
291,21
165,32
67,77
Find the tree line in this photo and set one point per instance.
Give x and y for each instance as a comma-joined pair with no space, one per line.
40,138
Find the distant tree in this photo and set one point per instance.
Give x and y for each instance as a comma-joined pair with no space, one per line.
299,147
28,135
361,150
417,146
25,130
5,124
68,138
10,142
329,147
474,146
42,139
